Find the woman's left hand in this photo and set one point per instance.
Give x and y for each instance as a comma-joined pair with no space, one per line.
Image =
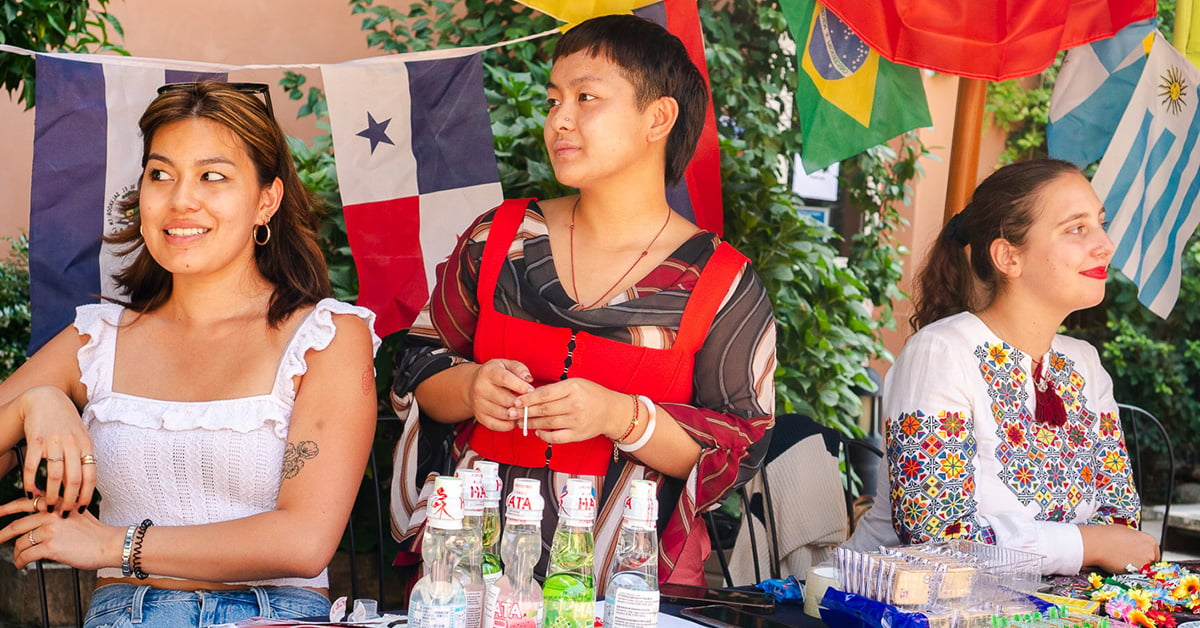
575,410
78,540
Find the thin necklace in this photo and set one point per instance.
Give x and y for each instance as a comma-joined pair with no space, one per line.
646,251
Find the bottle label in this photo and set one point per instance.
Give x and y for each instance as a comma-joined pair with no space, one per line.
634,609
422,616
508,613
474,607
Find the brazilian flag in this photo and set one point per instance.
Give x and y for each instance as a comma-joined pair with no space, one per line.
848,98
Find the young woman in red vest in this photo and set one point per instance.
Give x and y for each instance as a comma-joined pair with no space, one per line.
639,345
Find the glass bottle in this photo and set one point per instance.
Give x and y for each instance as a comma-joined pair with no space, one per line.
516,600
570,588
631,594
491,520
438,600
469,570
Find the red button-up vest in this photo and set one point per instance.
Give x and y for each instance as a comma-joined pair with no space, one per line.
664,375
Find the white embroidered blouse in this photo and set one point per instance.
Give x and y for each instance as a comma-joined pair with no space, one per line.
186,463
967,459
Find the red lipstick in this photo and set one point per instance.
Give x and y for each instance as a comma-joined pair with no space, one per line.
1099,272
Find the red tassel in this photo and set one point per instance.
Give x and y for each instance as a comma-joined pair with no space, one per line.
1050,407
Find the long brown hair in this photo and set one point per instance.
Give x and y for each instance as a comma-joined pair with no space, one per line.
291,259
1002,207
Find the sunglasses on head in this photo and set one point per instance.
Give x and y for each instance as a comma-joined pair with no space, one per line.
261,90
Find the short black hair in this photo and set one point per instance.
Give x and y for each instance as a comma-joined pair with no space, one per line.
657,63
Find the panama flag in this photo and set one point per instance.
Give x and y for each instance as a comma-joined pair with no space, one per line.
1094,85
415,164
87,154
1148,180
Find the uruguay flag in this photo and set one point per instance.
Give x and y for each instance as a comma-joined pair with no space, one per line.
86,156
415,164
1148,180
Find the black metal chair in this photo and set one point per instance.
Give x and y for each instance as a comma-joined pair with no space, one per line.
1131,416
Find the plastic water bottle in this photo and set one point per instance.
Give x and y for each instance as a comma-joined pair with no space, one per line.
570,589
631,596
469,571
438,600
516,600
491,520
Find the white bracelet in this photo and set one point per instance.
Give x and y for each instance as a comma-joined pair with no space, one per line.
645,438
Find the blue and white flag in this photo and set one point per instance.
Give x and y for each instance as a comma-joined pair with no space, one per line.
1148,180
86,157
1094,85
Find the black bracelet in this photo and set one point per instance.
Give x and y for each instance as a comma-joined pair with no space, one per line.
135,561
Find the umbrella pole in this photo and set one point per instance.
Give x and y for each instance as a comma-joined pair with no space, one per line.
964,147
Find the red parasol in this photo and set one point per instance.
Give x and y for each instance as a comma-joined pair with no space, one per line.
982,40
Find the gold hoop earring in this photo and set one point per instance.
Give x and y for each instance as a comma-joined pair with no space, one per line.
265,239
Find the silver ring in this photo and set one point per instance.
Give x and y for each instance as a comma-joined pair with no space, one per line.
1131,568
36,499
32,541
57,459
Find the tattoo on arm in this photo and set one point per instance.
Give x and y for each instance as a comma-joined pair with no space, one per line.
295,455
368,381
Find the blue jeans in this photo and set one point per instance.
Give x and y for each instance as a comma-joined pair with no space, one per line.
117,605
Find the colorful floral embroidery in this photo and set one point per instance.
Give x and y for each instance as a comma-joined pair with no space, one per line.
1054,468
933,484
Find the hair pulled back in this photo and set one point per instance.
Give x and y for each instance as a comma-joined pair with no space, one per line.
291,259
1003,206
657,63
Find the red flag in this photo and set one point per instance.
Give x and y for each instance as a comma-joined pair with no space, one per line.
986,39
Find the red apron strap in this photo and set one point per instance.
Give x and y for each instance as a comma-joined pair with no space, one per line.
712,286
501,234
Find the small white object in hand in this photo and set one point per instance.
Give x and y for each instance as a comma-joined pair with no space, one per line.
525,423
1131,568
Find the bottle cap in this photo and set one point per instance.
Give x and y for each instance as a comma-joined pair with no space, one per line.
577,502
641,506
524,504
444,510
473,493
491,481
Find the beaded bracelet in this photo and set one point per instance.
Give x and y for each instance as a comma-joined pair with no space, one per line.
135,562
126,551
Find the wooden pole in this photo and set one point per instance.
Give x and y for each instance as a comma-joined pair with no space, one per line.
964,147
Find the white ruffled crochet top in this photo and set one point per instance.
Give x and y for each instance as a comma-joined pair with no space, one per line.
193,462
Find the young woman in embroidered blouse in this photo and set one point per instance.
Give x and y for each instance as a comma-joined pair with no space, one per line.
570,307
998,429
227,400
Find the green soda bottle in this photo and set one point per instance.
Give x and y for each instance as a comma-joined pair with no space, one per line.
570,590
491,520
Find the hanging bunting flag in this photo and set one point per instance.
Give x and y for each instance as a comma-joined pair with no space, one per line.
1148,179
1094,85
575,11
993,40
415,165
698,195
87,153
1187,30
848,98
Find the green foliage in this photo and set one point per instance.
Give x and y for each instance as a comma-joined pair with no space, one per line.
50,25
14,306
